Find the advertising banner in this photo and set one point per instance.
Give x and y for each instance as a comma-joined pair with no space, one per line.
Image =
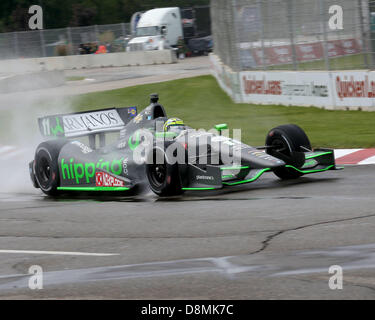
352,90
286,87
282,54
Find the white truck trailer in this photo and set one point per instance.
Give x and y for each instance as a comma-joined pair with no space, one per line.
162,27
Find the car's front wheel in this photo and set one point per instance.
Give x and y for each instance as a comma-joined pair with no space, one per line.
288,142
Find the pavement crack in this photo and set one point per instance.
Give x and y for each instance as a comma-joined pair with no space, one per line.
269,238
363,287
138,237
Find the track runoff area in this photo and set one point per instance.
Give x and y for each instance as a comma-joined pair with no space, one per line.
270,239
310,238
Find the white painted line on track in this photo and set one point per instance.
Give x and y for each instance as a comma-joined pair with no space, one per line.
66,253
343,152
370,160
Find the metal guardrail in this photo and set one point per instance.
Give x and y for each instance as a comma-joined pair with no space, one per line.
58,42
294,34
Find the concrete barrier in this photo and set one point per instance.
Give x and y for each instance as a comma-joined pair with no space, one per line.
344,90
118,59
31,81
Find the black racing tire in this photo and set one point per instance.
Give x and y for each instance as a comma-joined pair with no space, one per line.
46,166
163,178
288,139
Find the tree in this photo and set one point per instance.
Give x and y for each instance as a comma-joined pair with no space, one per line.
83,16
19,19
60,14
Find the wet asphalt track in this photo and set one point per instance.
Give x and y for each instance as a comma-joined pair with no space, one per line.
266,240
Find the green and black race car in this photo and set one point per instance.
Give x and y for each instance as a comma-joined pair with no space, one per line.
163,153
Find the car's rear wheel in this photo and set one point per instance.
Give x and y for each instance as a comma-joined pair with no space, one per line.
46,166
287,142
163,177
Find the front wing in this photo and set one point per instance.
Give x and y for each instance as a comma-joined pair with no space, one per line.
216,177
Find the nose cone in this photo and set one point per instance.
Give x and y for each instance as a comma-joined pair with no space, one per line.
259,159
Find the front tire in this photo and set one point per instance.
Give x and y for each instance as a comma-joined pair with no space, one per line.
286,142
163,178
46,166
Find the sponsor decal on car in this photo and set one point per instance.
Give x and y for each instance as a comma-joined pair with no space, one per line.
132,111
138,118
104,179
51,127
85,172
121,144
85,149
85,123
263,155
125,166
211,178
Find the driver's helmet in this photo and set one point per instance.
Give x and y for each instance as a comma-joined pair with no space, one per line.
174,125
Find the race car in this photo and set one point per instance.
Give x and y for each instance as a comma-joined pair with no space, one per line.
163,153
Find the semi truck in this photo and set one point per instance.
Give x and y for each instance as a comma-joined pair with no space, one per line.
164,27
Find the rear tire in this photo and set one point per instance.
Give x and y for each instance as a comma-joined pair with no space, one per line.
46,166
288,139
164,178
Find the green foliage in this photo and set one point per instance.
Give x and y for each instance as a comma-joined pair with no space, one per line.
63,50
106,37
60,14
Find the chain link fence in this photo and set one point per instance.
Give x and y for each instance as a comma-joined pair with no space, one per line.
294,34
61,42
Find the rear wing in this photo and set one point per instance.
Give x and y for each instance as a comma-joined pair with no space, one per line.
86,123
89,123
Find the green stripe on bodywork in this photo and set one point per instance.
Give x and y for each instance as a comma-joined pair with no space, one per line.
248,180
311,163
310,171
228,176
198,189
92,189
235,168
318,155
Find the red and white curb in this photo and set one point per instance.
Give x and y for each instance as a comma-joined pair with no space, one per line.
342,156
355,156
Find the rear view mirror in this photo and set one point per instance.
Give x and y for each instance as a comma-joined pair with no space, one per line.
220,127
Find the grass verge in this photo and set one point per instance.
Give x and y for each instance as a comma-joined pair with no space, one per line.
201,103
74,78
